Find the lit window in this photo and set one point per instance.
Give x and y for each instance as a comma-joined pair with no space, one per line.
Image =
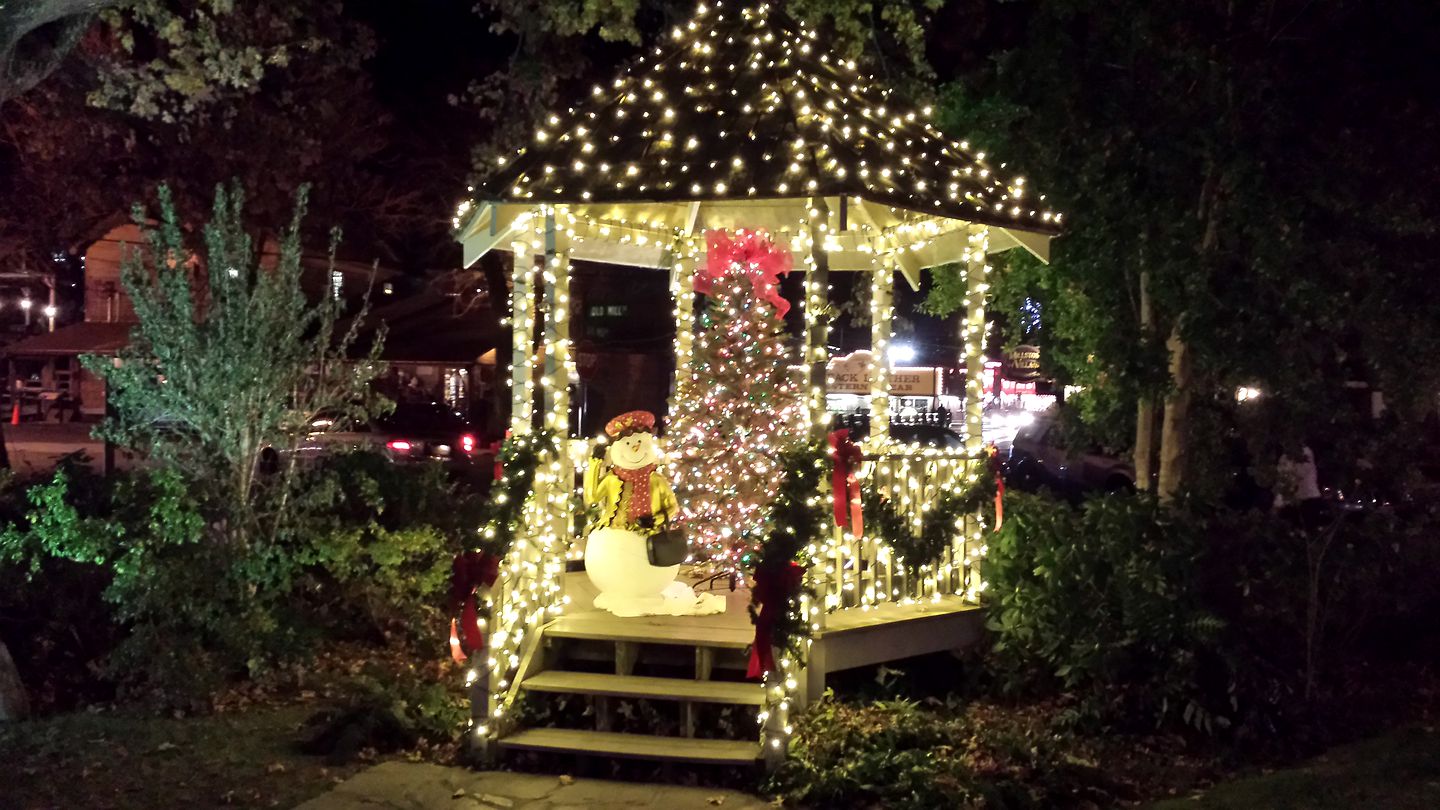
337,283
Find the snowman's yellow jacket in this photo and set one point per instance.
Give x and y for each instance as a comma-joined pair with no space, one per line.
605,490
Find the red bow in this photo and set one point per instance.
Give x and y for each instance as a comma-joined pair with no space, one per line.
470,571
999,484
844,484
772,590
755,255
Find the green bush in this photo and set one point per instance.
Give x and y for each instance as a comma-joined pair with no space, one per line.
366,553
1104,602
900,755
1315,604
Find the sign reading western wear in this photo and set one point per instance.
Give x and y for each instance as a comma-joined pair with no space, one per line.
851,375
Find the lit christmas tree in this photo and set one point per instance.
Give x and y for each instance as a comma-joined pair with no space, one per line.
740,406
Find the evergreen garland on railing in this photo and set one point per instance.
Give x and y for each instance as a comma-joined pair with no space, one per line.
884,521
520,457
797,519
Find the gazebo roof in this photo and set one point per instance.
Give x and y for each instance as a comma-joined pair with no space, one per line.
746,104
744,120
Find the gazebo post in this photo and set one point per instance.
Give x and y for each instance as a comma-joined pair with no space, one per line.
555,388
682,292
555,384
817,323
522,326
882,312
972,337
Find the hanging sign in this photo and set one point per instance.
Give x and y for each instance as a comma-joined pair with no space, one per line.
1022,364
851,375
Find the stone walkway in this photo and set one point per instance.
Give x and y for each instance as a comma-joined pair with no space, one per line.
421,786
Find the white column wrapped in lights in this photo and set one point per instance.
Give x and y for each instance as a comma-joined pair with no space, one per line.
882,314
522,327
971,539
972,337
555,387
687,254
813,232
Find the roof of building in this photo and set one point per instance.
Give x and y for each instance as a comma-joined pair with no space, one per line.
748,104
86,337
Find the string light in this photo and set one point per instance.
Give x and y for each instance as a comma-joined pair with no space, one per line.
837,133
743,105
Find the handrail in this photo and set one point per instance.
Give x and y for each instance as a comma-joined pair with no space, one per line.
862,572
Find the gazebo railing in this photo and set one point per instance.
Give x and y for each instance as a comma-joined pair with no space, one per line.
862,572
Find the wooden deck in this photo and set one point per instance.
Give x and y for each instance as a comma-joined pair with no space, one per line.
851,638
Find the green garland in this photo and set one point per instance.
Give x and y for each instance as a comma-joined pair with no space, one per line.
520,456
937,530
797,518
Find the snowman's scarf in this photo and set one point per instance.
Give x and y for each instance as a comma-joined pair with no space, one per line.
639,481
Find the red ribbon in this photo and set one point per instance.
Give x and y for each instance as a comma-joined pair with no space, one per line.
753,254
471,571
844,484
494,448
771,589
995,467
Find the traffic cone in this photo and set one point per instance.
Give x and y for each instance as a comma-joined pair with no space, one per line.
15,412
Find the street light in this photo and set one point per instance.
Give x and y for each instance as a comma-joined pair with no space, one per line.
25,304
50,311
902,353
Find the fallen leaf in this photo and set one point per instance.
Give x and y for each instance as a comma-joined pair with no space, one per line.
567,779
165,746
275,767
716,800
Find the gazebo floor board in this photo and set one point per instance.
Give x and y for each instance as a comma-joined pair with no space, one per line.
850,638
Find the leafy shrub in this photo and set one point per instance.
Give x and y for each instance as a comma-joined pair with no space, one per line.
367,553
1104,602
1314,603
898,754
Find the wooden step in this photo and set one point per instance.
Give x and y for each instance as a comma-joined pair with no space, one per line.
634,746
636,686
597,626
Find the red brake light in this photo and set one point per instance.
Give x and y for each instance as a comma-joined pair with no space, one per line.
467,443
398,445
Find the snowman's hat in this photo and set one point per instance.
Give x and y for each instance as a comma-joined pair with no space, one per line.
630,422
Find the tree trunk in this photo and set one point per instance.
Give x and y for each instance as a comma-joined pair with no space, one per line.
1177,418
1145,406
14,702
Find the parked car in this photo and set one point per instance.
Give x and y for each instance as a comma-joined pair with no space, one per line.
411,434
926,434
1039,458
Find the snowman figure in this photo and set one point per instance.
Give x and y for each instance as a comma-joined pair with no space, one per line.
631,503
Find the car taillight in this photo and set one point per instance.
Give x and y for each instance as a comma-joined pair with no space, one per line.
398,445
467,443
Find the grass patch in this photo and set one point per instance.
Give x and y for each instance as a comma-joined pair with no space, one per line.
1399,771
123,761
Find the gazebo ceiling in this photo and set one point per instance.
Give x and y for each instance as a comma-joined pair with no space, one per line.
742,118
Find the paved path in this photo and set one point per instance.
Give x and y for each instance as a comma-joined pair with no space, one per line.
36,447
421,786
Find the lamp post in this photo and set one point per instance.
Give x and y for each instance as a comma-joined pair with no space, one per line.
26,304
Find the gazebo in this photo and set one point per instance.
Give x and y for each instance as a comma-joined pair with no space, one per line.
742,119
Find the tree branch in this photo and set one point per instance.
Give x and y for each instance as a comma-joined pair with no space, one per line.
36,36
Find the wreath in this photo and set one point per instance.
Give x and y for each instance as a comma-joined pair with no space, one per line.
884,521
